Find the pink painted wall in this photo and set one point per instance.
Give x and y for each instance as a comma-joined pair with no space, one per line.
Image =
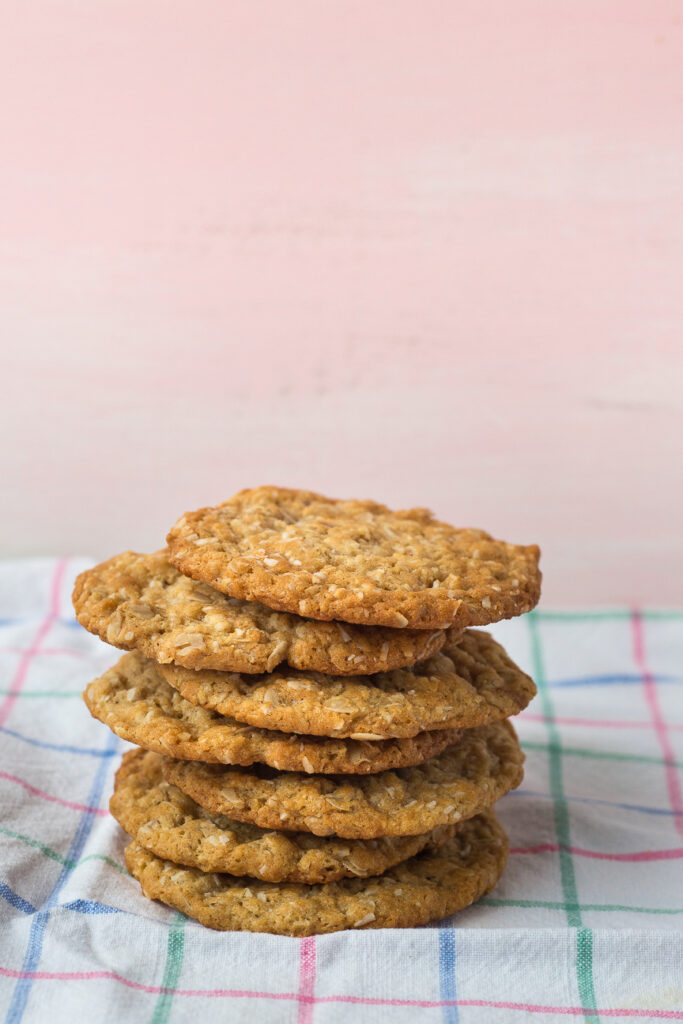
425,252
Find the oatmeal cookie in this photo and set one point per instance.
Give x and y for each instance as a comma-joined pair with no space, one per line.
356,561
462,781
432,885
141,602
135,702
170,824
471,682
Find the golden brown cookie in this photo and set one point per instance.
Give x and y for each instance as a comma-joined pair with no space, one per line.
466,778
171,825
356,561
138,705
141,602
434,884
471,682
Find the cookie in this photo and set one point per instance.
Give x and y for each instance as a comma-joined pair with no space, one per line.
171,825
356,561
432,885
471,682
141,602
459,783
138,705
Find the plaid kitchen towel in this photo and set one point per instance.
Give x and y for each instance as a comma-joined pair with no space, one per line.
586,923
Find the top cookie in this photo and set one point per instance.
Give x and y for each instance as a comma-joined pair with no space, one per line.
142,602
356,561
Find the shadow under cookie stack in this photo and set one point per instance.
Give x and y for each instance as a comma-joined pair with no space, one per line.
320,735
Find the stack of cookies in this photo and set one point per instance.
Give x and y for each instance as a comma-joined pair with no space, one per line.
320,735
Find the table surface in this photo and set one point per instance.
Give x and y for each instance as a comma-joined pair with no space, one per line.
428,253
586,922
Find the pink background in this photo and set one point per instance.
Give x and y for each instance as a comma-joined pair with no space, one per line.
424,252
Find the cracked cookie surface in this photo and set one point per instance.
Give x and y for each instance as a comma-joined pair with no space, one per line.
137,704
472,681
431,885
142,602
462,781
355,561
171,825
